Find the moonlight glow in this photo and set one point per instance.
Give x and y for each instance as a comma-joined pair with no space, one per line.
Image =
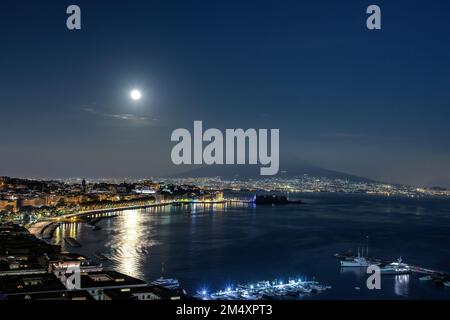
135,95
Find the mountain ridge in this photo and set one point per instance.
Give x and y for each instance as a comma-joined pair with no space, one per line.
253,172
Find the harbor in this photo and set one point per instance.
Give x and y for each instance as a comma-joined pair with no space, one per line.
214,247
398,267
266,290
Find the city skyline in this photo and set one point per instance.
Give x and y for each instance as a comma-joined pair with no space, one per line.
371,104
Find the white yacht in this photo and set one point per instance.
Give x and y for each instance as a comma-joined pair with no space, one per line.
396,268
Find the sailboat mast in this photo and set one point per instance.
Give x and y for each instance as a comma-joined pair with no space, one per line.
367,245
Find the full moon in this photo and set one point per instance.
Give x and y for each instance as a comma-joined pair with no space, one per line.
135,95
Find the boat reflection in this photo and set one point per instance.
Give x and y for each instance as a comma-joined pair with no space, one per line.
401,285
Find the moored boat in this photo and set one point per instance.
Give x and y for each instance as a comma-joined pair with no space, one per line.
396,268
358,262
171,284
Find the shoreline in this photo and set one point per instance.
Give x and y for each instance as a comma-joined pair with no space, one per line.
39,228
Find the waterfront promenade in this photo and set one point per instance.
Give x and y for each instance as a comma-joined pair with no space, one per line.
44,228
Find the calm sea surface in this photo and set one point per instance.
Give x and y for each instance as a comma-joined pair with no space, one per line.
211,247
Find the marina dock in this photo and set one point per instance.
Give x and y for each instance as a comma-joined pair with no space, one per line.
266,290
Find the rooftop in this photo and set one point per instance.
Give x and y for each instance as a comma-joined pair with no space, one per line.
56,295
109,279
25,284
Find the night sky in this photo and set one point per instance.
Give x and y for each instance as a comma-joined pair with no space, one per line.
369,103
